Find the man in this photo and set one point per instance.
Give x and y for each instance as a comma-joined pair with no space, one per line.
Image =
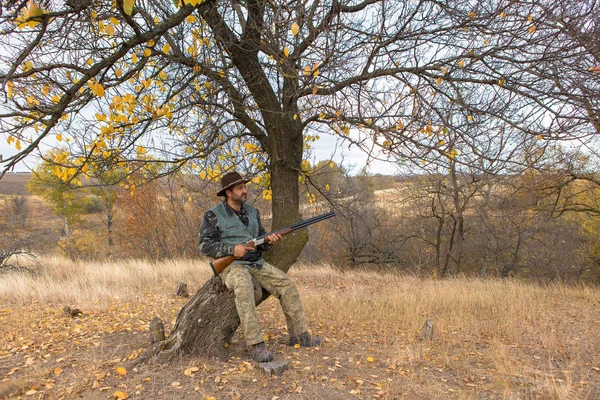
225,229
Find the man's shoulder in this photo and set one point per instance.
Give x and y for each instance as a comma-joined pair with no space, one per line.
215,209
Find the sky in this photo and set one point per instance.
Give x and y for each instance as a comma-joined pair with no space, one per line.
329,148
326,148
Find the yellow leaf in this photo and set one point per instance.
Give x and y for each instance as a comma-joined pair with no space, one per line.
294,29
58,371
327,187
191,371
98,90
315,89
118,72
134,58
470,117
530,18
286,51
190,19
128,6
166,48
45,90
370,359
59,137
147,52
439,80
461,63
34,10
55,99
121,371
18,144
502,15
532,29
109,29
118,395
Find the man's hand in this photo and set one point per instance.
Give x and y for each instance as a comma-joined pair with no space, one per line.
272,238
240,250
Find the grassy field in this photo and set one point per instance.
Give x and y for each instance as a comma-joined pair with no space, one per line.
492,340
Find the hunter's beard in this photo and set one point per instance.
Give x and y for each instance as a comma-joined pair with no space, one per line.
239,200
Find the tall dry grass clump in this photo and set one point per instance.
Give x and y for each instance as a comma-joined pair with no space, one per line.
61,280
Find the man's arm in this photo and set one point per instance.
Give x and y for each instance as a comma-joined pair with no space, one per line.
209,239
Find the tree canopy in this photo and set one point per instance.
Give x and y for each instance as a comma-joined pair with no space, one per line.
209,85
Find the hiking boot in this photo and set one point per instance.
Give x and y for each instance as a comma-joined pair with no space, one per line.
305,340
259,353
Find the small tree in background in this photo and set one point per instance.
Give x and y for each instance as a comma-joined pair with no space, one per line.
54,183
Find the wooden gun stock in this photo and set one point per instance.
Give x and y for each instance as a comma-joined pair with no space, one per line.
219,264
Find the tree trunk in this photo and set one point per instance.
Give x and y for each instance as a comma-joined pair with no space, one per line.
284,183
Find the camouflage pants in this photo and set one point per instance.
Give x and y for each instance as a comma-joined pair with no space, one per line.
238,278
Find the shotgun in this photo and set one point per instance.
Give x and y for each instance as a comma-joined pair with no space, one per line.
219,264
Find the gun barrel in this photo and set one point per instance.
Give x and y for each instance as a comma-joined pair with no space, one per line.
312,220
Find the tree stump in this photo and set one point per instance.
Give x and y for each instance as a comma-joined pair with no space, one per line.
204,325
157,330
182,290
427,331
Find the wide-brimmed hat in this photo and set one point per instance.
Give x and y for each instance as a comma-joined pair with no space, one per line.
229,180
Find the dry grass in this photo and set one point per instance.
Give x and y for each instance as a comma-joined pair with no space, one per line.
60,280
493,339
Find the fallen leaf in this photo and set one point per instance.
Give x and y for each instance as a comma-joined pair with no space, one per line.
118,395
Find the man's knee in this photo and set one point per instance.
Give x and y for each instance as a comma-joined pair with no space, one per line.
239,280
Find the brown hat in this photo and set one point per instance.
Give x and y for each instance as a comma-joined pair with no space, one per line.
229,180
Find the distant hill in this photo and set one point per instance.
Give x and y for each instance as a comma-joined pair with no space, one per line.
14,183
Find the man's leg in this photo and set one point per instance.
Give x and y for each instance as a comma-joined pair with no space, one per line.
237,278
280,285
